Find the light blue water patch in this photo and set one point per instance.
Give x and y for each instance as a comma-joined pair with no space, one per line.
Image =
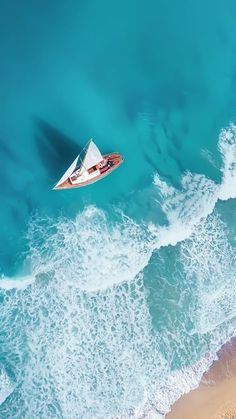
119,274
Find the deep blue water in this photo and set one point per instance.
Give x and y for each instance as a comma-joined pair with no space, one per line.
112,293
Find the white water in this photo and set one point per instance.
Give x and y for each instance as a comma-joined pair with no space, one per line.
6,387
227,148
19,283
198,196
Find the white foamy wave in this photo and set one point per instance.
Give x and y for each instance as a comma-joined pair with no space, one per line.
97,253
210,260
6,386
173,386
209,266
227,147
184,208
197,196
19,283
88,355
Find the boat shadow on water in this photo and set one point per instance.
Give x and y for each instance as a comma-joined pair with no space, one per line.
55,148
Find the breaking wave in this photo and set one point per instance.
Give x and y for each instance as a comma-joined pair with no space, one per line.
206,301
227,148
19,283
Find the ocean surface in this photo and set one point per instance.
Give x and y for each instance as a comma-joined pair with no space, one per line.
115,297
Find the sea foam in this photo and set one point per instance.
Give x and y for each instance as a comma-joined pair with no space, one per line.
208,262
227,148
6,386
19,283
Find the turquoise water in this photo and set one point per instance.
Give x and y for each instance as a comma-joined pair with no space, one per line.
115,297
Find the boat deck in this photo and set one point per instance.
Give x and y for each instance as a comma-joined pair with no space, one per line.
115,158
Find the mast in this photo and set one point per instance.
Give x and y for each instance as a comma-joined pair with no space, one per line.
85,148
92,157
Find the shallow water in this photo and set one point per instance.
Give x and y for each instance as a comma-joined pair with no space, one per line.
117,295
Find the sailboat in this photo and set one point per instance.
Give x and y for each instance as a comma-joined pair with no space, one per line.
92,168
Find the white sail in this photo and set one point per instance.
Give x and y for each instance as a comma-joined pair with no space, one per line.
92,157
68,172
